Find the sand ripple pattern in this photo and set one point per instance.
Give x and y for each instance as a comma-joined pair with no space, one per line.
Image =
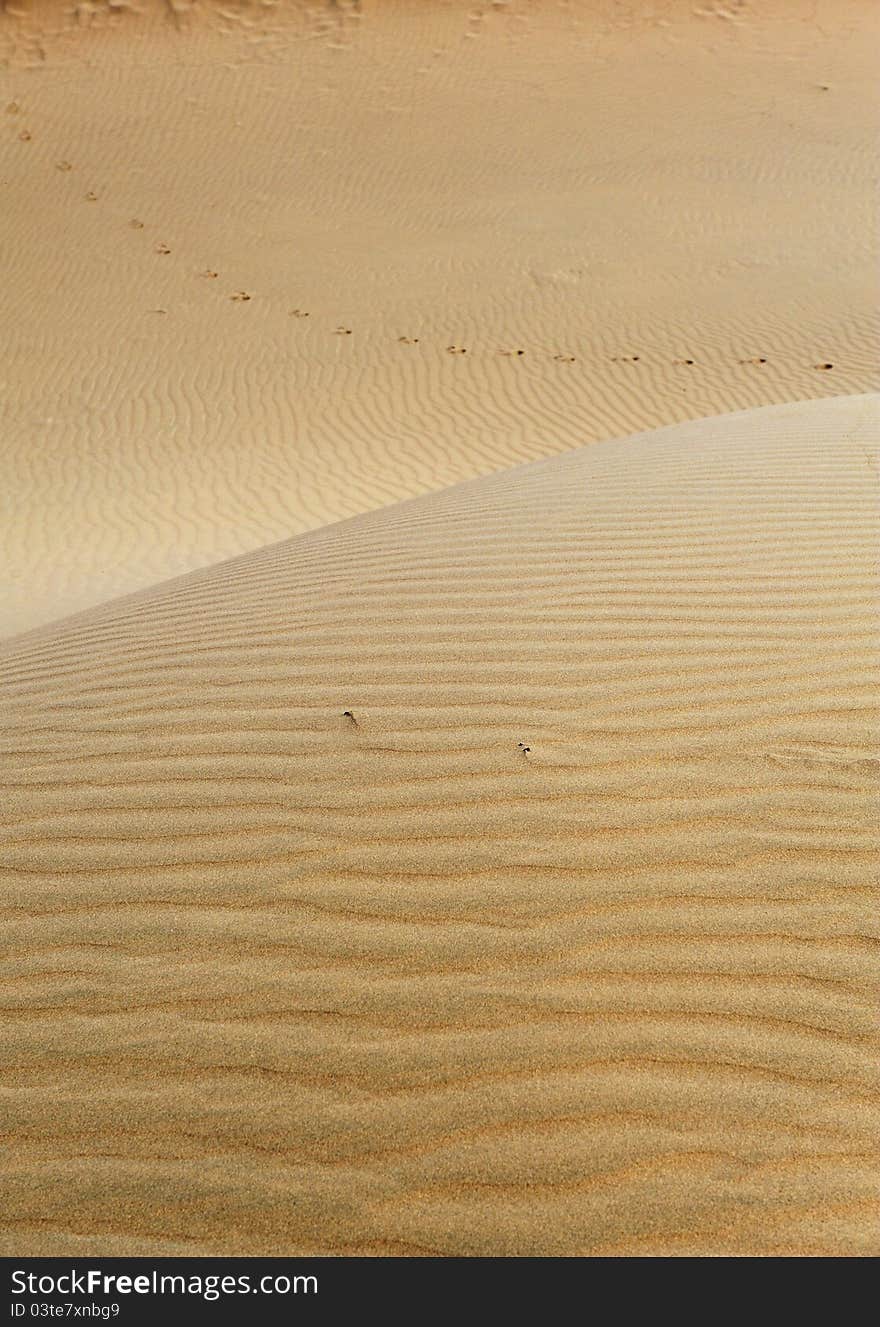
233,308
562,941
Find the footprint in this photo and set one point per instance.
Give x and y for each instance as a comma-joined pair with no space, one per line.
564,359
209,273
91,196
63,166
240,296
342,331
162,248
25,135
684,361
136,225
408,340
758,359
297,313
13,108
511,352
456,350
624,359
823,366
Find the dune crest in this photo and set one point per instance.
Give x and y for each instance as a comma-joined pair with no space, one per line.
270,266
492,874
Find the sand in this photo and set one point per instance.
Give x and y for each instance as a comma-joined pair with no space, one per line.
562,941
439,780
614,189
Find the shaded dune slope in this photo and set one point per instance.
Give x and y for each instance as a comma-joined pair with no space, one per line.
281,980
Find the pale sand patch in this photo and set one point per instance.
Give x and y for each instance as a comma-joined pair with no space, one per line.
280,980
613,189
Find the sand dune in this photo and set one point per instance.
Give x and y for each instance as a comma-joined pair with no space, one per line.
562,942
244,246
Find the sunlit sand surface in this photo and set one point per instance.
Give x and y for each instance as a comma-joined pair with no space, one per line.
489,874
270,266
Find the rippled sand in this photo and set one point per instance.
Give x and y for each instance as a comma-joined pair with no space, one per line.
486,875
666,208
439,867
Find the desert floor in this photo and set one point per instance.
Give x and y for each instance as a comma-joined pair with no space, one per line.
433,821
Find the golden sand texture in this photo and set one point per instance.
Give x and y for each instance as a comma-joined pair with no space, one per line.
562,941
267,267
